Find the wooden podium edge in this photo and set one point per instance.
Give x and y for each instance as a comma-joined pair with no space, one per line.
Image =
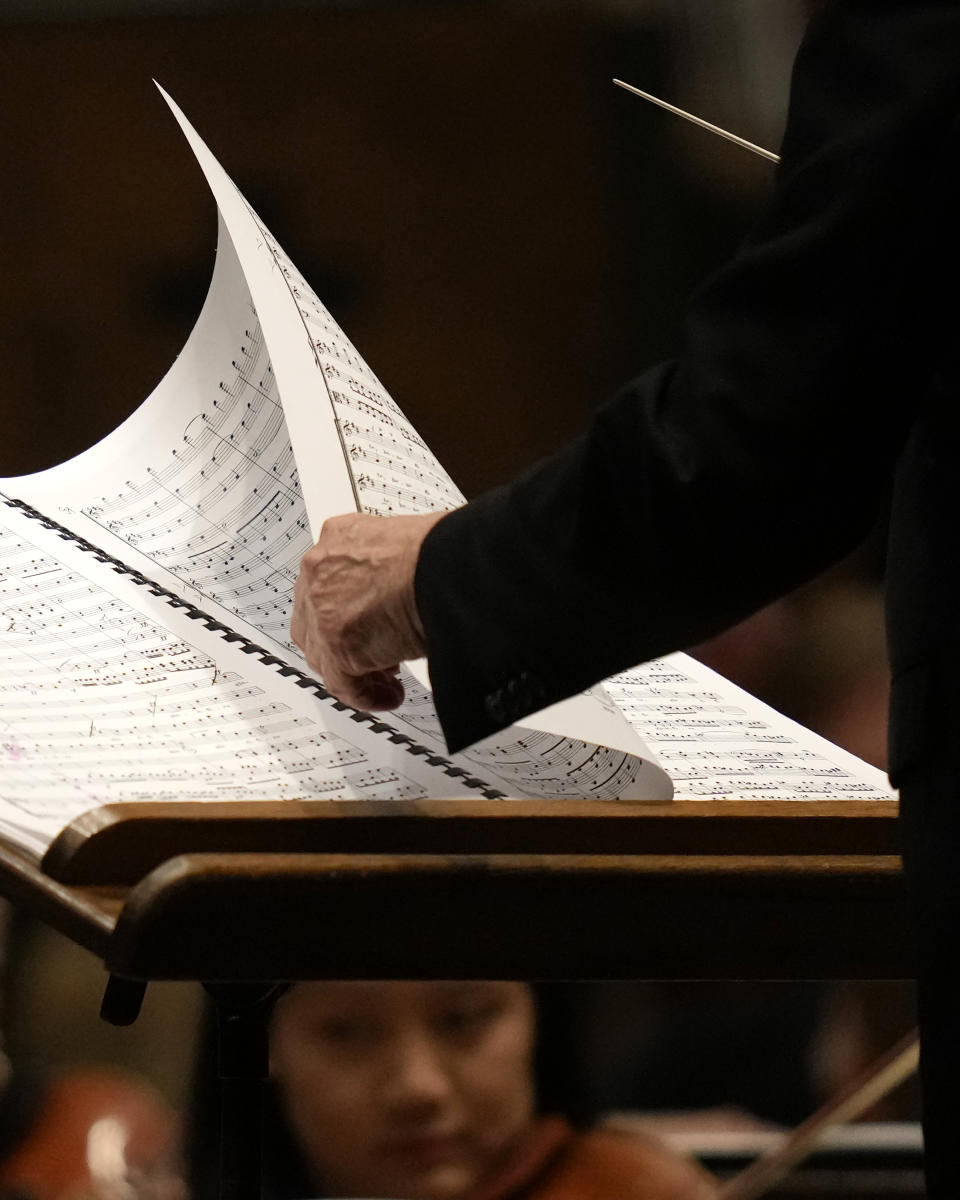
280,917
86,915
121,844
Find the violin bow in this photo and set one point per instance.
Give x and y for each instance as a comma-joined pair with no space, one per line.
866,1089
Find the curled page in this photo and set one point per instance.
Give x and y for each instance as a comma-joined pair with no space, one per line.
268,422
332,398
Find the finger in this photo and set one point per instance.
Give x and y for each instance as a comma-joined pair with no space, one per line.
381,691
376,690
298,625
296,629
308,646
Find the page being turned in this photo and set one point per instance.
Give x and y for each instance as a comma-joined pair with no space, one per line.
331,396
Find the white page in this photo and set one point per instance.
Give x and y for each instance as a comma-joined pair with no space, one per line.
201,479
327,386
719,742
533,760
110,694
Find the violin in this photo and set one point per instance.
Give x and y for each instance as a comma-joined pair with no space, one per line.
91,1134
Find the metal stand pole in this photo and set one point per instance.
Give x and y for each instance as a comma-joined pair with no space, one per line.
243,1014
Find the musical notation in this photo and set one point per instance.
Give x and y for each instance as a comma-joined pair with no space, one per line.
221,509
85,719
718,743
392,469
527,762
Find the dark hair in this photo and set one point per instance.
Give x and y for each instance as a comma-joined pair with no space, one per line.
559,1071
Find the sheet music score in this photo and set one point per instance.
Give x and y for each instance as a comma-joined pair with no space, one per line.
391,467
269,421
533,761
719,742
107,695
202,482
199,489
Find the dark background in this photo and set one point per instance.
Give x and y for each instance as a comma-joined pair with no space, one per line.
506,236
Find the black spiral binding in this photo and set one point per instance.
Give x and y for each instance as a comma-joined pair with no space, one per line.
303,680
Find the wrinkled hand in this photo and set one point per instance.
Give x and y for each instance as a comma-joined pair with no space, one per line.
355,616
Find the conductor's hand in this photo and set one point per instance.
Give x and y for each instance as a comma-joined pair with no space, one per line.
355,617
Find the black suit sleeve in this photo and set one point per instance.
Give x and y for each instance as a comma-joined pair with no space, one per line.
714,483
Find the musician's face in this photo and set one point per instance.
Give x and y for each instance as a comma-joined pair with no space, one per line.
408,1090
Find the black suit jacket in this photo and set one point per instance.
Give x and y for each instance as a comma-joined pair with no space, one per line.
816,368
818,373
